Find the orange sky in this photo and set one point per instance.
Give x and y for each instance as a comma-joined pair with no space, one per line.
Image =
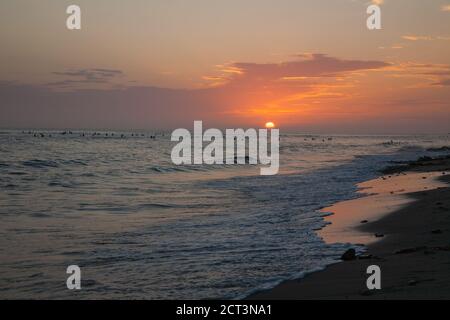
306,65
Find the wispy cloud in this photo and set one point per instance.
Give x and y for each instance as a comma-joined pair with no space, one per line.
420,75
416,38
425,38
85,76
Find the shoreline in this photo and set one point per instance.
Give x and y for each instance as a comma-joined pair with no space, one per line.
410,242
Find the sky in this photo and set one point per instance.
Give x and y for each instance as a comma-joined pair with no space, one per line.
307,65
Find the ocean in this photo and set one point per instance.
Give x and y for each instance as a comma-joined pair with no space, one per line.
140,227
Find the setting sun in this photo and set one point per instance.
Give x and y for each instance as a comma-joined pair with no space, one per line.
270,125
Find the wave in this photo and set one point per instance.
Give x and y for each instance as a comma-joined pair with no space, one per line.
172,205
74,162
171,169
161,169
411,148
36,163
17,173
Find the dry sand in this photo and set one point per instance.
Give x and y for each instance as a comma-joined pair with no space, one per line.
409,211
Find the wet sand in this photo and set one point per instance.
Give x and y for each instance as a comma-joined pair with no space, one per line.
404,223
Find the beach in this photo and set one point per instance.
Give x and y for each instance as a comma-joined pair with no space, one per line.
403,223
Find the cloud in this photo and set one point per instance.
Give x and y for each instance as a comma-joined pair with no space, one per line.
394,46
416,38
424,38
306,67
85,76
420,75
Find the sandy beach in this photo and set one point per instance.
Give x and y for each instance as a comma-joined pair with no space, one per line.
403,222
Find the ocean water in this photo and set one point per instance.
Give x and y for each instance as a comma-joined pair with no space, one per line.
142,228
